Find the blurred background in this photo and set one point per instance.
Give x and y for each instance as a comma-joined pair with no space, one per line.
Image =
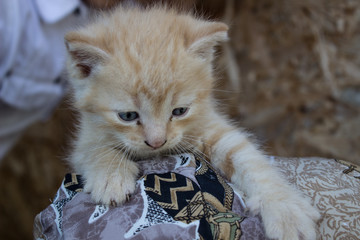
289,74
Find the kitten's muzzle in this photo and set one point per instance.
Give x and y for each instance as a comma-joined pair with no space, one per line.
156,144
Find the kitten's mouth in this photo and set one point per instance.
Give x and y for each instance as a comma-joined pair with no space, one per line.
141,155
137,155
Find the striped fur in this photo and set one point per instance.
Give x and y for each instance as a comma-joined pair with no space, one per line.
152,61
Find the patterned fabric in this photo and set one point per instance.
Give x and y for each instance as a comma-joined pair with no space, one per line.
187,202
189,197
334,188
180,193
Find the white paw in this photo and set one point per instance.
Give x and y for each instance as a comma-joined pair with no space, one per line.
111,189
286,215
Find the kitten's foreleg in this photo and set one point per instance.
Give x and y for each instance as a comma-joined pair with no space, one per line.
110,179
285,213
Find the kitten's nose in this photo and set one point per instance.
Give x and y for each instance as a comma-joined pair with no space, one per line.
156,144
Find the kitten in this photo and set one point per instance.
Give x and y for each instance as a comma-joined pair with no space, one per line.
142,81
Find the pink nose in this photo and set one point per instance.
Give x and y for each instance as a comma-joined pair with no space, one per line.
156,144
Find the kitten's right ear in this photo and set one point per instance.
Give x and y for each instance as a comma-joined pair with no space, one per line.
205,36
84,55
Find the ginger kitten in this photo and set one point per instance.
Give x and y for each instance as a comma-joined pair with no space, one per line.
142,81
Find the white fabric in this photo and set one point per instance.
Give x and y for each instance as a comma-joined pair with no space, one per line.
52,11
32,58
32,53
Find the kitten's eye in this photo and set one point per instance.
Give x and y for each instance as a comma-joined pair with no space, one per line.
179,111
128,116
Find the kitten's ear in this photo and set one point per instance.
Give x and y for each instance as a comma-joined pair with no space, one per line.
205,37
84,55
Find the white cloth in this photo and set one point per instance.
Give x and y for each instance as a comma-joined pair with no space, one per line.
32,60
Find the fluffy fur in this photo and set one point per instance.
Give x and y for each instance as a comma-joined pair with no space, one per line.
142,81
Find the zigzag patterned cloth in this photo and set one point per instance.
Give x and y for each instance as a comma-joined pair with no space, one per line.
177,197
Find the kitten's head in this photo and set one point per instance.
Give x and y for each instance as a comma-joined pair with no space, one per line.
143,78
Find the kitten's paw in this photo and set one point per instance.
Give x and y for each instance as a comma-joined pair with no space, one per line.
111,189
289,217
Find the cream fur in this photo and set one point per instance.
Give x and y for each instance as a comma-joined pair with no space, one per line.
151,62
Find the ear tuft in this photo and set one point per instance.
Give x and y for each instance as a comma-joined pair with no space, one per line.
85,70
206,37
84,55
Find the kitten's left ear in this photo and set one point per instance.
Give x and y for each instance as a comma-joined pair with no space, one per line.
205,37
85,56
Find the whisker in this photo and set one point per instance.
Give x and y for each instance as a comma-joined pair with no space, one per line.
101,154
124,156
105,145
197,152
108,150
114,159
196,139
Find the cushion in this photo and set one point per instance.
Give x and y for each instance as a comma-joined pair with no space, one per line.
177,197
183,197
333,187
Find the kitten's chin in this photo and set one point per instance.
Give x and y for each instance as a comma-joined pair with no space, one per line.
142,155
147,154
137,153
